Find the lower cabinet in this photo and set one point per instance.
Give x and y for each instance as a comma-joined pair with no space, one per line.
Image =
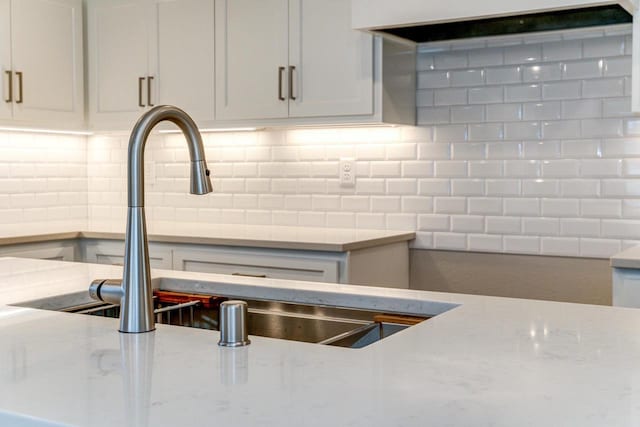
384,265
626,287
61,250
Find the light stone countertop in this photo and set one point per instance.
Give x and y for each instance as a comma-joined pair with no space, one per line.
629,258
483,361
260,236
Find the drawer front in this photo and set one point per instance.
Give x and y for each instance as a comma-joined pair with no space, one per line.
257,265
112,253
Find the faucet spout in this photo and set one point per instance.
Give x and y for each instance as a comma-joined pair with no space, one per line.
136,303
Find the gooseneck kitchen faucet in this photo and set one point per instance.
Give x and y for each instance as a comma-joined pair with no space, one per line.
134,293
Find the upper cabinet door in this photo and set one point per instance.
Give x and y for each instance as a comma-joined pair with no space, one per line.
333,63
47,60
251,39
6,102
185,56
118,59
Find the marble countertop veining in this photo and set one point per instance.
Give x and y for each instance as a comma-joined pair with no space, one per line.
261,236
484,361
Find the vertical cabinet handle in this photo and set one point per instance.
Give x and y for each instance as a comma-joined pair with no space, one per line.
140,81
149,80
292,69
9,97
20,98
280,73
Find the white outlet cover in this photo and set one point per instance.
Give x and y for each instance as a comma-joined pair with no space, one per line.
347,172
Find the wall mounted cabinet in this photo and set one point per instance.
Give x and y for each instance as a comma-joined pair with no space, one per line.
148,52
41,58
300,60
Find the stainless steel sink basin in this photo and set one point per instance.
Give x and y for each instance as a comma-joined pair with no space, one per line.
319,324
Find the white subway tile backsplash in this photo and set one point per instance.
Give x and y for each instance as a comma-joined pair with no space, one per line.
560,168
486,132
451,60
594,128
486,95
433,79
541,149
565,129
541,226
521,207
523,93
581,109
562,50
579,227
580,188
484,243
522,130
521,168
504,150
450,169
599,248
561,90
451,241
560,207
601,208
580,148
468,151
616,107
467,224
485,206
485,57
502,187
450,97
620,188
550,110
434,151
592,68
453,133
434,222
482,169
450,205
603,46
467,187
561,246
600,167
540,187
522,54
434,187
417,204
504,75
522,244
503,112
602,88
542,72
467,114
503,225
466,78
417,168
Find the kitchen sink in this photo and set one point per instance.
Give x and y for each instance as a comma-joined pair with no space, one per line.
336,326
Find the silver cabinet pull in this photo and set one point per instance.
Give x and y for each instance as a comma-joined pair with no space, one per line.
149,80
140,81
20,99
9,97
292,69
260,276
280,72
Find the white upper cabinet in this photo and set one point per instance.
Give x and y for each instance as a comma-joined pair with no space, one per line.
330,65
291,58
42,63
144,53
251,59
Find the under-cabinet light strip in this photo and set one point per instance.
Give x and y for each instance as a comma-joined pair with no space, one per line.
47,131
212,130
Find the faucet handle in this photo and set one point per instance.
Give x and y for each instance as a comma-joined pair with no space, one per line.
107,290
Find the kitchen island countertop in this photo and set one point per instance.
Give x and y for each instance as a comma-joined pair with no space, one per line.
482,361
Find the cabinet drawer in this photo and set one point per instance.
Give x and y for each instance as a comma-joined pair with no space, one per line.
112,253
258,265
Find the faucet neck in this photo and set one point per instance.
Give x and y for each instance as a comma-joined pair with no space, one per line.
138,140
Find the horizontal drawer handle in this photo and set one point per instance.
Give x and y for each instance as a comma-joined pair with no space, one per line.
261,276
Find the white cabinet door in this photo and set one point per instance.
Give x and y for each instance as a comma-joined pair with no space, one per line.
47,60
118,52
251,59
5,59
112,253
185,56
333,63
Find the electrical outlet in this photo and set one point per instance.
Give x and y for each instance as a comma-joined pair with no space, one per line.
347,173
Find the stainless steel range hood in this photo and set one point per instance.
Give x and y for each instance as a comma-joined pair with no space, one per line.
375,15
